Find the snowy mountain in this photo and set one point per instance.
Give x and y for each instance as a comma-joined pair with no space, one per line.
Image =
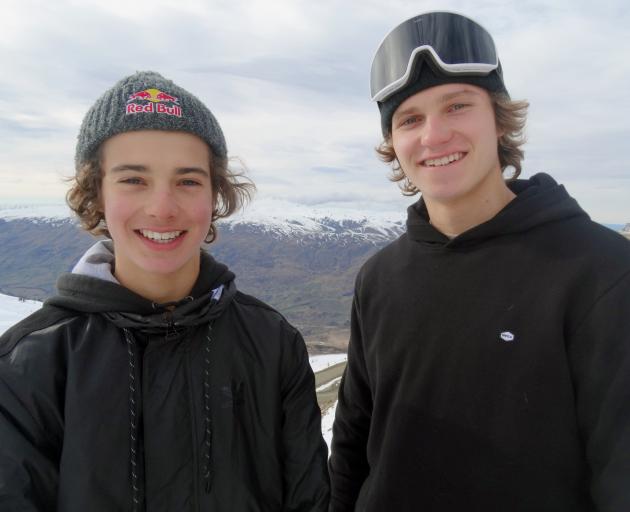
278,218
300,260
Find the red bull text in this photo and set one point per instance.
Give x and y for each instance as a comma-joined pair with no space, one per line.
157,102
159,108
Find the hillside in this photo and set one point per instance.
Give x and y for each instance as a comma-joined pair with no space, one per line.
301,261
304,266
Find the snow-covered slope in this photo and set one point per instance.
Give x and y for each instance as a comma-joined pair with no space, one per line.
50,211
12,310
290,219
280,218
323,361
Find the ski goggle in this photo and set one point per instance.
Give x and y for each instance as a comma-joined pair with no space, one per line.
456,44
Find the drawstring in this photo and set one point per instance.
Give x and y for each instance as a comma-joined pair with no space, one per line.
207,472
171,304
134,421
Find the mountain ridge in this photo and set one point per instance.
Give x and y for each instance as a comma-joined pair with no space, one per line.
304,267
301,261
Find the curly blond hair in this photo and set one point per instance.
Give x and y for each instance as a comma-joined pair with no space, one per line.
510,116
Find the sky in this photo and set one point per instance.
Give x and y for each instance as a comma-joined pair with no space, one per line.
288,82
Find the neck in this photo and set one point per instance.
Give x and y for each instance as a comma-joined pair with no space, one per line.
159,288
455,217
160,292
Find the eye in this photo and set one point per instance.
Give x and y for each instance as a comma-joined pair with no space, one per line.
408,121
190,183
457,106
131,181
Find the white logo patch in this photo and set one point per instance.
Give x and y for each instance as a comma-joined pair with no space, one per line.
507,336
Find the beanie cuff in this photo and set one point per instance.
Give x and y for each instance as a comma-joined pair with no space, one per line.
426,75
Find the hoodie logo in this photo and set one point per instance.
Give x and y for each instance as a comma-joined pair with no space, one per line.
507,336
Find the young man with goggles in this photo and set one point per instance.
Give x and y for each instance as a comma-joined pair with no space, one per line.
489,360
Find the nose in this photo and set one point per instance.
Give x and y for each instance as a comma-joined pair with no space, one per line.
162,203
435,131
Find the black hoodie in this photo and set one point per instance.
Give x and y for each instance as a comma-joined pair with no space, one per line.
111,402
490,371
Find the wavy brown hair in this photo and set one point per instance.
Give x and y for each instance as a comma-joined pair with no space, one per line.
509,115
231,190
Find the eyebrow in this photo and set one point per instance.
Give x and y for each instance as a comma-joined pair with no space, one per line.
463,92
179,171
443,99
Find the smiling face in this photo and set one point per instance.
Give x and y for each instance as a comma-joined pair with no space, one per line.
156,197
445,139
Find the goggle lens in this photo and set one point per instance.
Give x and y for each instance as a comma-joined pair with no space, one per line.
456,43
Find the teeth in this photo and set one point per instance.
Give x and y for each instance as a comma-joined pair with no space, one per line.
160,237
436,162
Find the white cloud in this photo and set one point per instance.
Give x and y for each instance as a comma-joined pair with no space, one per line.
288,82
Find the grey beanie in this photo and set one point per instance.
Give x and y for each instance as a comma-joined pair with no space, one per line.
426,74
147,101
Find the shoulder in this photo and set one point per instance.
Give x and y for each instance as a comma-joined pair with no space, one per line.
607,238
606,257
583,228
599,248
47,318
261,314
263,333
384,260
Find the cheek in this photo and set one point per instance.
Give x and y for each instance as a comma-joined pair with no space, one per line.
489,128
116,210
201,210
402,147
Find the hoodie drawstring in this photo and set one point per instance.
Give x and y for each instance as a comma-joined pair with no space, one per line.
207,470
133,416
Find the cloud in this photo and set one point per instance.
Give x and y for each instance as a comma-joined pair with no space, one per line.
332,171
289,85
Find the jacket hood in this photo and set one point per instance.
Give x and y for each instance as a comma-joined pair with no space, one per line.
92,288
539,200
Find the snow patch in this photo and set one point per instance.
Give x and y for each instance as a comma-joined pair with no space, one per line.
50,211
281,218
327,422
13,309
321,362
328,385
286,218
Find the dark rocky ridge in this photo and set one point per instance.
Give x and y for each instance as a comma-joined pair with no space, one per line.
307,274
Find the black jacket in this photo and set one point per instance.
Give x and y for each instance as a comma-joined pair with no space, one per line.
111,403
490,372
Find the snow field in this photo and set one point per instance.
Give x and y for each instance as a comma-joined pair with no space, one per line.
321,362
12,310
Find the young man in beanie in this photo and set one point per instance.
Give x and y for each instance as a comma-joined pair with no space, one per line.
149,382
489,360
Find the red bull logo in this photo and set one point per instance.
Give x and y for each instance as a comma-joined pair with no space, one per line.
153,101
